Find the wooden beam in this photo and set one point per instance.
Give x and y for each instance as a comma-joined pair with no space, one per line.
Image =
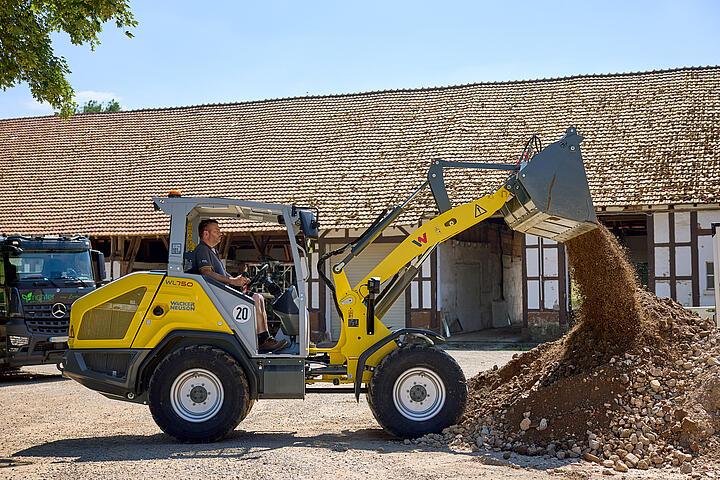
226,245
260,244
288,254
134,247
113,248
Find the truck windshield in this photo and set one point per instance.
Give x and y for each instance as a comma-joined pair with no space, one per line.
50,266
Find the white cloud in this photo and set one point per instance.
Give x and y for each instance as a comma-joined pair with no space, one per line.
39,108
86,95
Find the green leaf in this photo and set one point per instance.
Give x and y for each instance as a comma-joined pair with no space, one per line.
26,53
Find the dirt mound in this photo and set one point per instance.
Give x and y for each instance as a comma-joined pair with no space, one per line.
634,384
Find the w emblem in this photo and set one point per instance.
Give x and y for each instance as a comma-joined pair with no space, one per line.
421,240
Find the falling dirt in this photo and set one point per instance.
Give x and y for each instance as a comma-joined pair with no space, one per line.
634,384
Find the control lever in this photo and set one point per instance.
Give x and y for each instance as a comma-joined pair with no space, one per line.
373,289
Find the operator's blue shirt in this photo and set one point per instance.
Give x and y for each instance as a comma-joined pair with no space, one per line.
206,256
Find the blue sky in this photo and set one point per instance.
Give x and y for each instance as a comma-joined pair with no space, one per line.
189,52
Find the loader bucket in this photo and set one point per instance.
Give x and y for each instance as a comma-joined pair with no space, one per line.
551,198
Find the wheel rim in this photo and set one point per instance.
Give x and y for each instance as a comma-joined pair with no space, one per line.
196,395
419,394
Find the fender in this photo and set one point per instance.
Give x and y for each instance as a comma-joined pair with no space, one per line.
430,337
181,338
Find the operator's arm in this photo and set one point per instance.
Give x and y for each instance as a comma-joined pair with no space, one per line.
235,281
204,263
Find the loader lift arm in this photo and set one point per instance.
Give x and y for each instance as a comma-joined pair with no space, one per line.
550,198
546,194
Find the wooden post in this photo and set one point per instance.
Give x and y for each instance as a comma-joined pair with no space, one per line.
113,248
226,246
134,248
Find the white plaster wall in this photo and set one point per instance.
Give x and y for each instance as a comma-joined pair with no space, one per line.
661,228
705,255
682,227
683,255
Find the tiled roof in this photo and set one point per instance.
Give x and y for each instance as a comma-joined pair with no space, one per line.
650,138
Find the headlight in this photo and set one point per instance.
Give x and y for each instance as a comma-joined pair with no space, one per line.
18,341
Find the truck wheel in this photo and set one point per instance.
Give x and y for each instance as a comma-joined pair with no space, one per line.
199,394
417,390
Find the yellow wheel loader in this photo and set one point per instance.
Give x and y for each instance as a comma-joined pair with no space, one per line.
186,344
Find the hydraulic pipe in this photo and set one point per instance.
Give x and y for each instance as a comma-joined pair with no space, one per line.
373,232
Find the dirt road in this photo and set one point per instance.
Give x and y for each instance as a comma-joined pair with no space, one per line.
55,428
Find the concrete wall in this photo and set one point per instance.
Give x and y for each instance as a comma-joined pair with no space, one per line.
469,285
512,265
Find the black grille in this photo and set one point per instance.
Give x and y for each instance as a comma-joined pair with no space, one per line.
40,320
49,347
113,364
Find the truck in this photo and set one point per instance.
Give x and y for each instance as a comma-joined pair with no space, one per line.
40,278
186,344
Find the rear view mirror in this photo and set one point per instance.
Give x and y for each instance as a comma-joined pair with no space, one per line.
98,266
14,251
309,224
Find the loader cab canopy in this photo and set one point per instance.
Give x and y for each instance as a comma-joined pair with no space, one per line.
187,212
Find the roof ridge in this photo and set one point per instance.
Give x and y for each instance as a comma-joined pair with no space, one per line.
393,90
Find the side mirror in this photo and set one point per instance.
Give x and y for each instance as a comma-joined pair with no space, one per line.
309,224
14,251
98,266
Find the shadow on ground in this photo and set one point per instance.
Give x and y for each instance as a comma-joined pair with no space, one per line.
23,376
245,446
240,444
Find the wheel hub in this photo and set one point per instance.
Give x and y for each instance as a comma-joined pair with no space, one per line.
196,395
419,394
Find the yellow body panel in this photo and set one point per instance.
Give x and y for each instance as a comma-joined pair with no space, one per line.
103,296
185,306
354,341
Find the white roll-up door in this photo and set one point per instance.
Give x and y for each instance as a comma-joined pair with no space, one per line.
356,271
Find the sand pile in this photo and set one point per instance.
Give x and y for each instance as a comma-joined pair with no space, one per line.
634,384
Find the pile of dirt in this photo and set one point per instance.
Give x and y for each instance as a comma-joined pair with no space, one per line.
634,384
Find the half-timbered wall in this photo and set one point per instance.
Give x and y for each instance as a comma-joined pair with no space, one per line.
680,242
546,286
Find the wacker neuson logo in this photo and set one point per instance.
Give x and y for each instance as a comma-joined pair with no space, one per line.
182,305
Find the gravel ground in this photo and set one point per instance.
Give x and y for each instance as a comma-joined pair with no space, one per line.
56,428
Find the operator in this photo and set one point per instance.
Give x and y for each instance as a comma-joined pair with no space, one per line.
208,263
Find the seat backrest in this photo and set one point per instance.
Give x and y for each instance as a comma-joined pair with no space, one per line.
189,265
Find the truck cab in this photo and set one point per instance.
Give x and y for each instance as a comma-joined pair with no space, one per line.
40,278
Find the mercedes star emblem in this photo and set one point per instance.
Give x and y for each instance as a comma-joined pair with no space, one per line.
59,310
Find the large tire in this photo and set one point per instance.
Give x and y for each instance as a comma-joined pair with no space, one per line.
199,394
417,390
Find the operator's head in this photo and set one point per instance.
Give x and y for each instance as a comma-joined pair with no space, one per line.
209,232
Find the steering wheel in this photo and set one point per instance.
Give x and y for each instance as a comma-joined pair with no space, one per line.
259,275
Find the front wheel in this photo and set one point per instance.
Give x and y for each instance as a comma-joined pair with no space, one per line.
417,390
199,394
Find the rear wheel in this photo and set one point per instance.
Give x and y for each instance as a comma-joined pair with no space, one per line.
417,390
199,394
